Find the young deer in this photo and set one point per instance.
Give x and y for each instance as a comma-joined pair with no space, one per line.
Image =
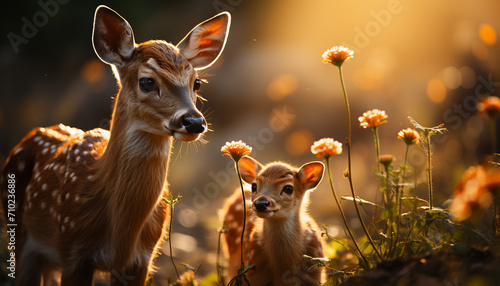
276,243
92,200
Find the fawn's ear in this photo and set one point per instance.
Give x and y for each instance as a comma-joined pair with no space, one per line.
249,168
113,38
310,174
204,44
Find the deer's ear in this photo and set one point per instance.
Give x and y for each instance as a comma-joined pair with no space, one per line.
249,168
310,174
112,37
204,44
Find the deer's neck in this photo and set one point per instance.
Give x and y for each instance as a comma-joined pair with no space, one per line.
133,176
283,240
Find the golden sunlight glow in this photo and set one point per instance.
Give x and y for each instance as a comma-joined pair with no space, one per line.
282,86
298,142
436,91
487,34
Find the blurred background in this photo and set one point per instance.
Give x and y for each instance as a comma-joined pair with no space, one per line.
431,60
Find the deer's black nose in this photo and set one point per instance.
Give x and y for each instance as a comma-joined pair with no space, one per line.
261,205
194,125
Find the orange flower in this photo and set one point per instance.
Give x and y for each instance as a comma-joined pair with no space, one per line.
473,195
337,55
236,150
409,136
489,106
186,279
326,147
373,118
386,160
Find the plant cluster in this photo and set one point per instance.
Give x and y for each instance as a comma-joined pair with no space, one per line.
402,224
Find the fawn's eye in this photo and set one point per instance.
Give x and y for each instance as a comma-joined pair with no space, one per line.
254,187
147,84
197,84
288,190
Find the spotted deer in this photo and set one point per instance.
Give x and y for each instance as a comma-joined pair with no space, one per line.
92,200
279,230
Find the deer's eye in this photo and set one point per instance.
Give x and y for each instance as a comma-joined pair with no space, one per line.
288,190
197,84
254,187
147,84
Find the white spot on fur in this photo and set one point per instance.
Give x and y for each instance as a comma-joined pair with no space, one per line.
66,219
71,224
21,166
78,159
44,187
229,217
42,205
54,193
74,179
238,207
46,144
77,198
37,138
35,194
90,177
67,196
85,153
62,228
17,150
45,151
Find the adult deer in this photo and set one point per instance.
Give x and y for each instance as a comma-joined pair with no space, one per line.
91,200
279,231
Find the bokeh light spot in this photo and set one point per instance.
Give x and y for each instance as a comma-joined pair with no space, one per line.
487,34
451,77
299,142
282,86
436,90
94,74
480,50
468,77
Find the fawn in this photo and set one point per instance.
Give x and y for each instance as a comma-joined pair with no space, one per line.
92,200
276,243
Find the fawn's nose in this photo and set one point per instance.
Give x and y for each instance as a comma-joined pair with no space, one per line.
261,205
194,125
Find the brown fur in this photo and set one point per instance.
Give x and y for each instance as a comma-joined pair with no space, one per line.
276,244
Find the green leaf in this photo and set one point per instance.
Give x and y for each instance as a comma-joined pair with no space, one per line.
360,201
413,203
210,280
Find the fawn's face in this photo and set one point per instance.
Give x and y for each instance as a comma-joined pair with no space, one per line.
160,80
278,189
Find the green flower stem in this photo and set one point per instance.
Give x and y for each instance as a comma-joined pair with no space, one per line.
170,239
244,213
404,165
377,147
493,131
429,172
349,175
342,211
389,208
